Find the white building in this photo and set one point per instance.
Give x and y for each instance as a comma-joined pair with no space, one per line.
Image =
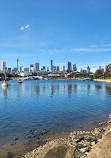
25,74
105,68
63,68
25,69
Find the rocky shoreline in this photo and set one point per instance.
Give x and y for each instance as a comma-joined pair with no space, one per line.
79,144
103,80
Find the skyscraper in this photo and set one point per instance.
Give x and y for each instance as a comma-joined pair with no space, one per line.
3,66
88,69
21,68
57,68
36,66
69,65
63,68
74,67
47,68
43,68
51,64
31,67
99,67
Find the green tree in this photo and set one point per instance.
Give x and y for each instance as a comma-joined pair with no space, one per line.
107,73
98,74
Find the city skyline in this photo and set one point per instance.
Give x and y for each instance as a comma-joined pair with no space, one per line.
76,31
35,67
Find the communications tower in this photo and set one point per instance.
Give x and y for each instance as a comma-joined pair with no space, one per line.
17,63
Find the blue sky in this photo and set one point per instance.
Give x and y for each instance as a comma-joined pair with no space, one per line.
63,30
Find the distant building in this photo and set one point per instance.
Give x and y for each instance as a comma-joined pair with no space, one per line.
83,71
53,68
3,66
63,68
25,74
25,69
43,68
102,70
105,68
69,65
51,64
47,68
15,69
31,67
99,67
21,68
9,69
36,67
74,67
57,68
88,69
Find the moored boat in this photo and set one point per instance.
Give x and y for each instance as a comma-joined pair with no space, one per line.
5,83
19,81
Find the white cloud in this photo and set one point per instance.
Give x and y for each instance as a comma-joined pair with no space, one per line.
90,50
27,26
22,28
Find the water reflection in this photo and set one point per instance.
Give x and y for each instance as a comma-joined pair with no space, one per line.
88,87
69,89
108,89
98,87
4,91
51,89
60,105
35,89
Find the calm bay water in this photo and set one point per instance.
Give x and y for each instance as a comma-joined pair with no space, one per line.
51,105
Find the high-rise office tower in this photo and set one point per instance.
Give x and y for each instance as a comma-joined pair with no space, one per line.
63,68
31,67
9,69
69,65
47,68
25,69
74,67
88,69
3,66
36,66
51,64
57,68
43,68
21,68
99,67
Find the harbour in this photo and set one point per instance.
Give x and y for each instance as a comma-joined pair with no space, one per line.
33,113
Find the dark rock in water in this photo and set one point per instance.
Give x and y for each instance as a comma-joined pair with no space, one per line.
13,143
10,155
35,134
16,138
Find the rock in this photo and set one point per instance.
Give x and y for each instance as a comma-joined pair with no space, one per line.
80,139
13,143
92,143
15,139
